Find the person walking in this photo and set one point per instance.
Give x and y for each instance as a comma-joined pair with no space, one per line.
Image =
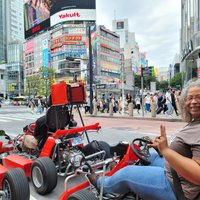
169,102
173,97
138,104
32,105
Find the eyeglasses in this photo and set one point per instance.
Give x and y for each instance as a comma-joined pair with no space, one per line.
190,98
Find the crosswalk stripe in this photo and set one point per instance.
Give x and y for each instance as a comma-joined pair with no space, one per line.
2,120
18,117
22,117
11,118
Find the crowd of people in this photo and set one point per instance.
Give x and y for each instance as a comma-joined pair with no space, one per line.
166,103
37,105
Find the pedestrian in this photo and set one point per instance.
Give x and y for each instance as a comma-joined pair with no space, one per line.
39,106
183,155
138,104
169,102
173,97
147,100
128,98
32,105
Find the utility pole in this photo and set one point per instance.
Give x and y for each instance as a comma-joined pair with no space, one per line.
142,87
90,68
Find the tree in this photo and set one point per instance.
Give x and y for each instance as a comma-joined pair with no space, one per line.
40,83
138,80
163,85
176,81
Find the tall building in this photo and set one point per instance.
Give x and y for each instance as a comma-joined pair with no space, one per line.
11,40
190,39
130,49
52,34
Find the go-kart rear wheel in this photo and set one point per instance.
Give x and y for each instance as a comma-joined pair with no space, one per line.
96,146
83,195
43,175
15,185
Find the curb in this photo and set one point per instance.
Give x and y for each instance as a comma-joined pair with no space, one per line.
137,118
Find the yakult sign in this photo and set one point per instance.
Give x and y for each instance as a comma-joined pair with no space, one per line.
73,10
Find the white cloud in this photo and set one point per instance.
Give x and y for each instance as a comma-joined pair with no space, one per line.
156,24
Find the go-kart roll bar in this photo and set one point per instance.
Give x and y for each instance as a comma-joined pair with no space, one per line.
61,133
68,191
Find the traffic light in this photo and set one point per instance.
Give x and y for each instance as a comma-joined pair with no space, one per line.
151,71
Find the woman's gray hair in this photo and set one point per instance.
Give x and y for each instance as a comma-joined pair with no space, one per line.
186,116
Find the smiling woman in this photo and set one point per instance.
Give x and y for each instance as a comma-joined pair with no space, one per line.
156,181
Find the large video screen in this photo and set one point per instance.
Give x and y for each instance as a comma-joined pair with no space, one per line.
36,16
41,14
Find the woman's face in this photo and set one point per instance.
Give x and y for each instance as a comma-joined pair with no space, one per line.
193,102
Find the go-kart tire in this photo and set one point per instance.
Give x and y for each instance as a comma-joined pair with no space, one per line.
43,175
15,185
83,195
96,146
106,147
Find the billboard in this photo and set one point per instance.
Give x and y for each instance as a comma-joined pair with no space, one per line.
41,14
29,47
72,10
36,16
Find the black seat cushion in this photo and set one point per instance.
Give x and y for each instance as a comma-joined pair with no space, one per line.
57,117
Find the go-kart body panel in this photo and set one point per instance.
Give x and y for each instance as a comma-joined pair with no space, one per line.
3,169
6,147
48,147
62,133
70,191
16,161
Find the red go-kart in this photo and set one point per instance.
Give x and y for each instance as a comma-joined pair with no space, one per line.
123,154
13,184
42,171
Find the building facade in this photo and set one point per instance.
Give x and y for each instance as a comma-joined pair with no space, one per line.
11,40
190,39
130,49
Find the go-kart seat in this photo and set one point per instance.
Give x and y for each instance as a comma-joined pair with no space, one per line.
57,117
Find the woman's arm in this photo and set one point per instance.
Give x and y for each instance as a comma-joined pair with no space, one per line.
186,167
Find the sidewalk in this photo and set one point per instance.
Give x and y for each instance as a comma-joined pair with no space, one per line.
147,116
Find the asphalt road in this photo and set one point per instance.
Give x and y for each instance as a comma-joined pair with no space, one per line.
13,119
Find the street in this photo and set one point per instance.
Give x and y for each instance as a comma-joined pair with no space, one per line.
13,119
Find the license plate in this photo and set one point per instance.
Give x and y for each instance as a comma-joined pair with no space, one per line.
77,140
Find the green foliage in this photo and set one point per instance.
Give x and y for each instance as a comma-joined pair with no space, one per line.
146,81
39,84
176,81
163,85
137,80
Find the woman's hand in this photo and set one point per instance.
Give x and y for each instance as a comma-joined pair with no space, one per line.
160,142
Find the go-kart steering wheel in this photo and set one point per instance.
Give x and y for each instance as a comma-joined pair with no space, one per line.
140,149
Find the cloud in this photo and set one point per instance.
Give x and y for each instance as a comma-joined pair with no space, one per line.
156,24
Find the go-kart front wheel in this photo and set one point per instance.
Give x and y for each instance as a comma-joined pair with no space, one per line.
15,185
43,175
83,195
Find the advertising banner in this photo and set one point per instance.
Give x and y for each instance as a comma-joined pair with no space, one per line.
29,47
39,13
198,67
72,10
45,56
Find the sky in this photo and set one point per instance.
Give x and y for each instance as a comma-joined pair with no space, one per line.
156,24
